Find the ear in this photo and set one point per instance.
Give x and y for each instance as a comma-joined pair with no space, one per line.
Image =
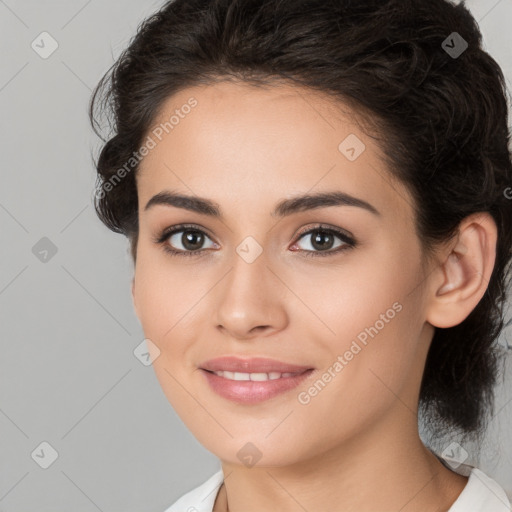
461,279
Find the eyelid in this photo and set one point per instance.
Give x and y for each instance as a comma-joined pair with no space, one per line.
163,235
325,227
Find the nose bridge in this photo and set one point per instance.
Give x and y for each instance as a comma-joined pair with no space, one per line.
248,277
248,298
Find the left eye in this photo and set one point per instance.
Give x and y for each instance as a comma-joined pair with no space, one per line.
323,240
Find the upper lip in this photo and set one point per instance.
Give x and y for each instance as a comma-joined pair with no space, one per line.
251,365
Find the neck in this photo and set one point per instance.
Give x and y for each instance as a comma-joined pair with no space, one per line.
385,468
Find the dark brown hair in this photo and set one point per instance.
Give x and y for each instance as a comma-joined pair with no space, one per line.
439,106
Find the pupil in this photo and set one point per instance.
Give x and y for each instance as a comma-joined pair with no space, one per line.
318,241
189,242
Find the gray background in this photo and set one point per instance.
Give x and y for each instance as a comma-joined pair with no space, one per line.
68,375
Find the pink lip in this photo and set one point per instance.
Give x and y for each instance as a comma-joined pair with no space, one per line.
251,392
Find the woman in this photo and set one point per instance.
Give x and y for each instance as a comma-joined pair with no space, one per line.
315,194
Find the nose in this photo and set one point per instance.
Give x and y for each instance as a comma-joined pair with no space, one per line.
251,300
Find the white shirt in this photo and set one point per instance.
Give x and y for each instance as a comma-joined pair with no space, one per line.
480,494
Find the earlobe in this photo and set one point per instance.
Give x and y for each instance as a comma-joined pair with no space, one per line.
463,276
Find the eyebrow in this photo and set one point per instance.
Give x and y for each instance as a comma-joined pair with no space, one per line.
282,209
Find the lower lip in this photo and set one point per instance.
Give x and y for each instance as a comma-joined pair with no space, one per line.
252,392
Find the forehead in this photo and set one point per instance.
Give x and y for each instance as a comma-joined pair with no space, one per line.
254,144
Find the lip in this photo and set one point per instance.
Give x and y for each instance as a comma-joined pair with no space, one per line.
251,365
252,392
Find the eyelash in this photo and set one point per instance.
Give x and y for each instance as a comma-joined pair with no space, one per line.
162,238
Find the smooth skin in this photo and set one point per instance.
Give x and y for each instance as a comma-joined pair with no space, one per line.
355,446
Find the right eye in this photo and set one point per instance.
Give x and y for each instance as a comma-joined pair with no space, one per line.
190,237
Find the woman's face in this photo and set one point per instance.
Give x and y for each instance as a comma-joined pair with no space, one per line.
266,284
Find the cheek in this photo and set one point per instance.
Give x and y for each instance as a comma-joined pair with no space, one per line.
364,292
372,318
168,301
168,293
372,362
168,298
